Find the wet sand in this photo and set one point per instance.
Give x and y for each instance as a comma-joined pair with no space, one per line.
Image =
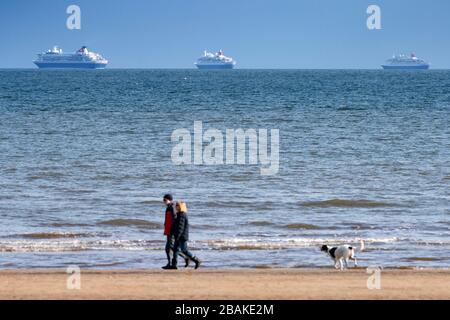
220,284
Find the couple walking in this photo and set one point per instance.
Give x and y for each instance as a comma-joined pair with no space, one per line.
176,229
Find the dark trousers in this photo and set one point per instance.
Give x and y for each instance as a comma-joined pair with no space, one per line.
170,250
180,248
169,247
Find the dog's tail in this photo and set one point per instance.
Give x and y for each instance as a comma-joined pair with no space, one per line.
362,247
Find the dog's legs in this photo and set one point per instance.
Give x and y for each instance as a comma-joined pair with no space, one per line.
346,263
341,264
336,266
353,257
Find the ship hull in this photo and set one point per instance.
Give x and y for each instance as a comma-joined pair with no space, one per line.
51,65
215,67
420,67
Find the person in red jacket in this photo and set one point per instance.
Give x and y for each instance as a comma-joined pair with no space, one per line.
168,222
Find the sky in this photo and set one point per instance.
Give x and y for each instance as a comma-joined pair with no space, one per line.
287,34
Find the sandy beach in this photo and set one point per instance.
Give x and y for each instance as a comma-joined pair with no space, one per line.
238,284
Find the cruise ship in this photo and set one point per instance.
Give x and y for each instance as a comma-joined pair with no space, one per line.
215,61
404,62
81,59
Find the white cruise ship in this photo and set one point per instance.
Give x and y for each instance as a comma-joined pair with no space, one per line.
82,59
404,62
215,61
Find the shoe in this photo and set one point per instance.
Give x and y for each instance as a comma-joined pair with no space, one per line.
167,266
186,260
170,267
197,263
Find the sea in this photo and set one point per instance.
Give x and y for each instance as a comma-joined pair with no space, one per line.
86,157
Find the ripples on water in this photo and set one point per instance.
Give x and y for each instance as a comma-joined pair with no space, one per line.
85,160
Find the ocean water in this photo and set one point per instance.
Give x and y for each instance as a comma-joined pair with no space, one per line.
85,158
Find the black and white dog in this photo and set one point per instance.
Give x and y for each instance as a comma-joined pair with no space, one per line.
342,254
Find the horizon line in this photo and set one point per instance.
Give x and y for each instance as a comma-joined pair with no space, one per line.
235,69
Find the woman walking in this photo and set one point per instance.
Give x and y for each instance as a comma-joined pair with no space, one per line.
181,234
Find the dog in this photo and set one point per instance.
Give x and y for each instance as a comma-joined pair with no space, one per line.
342,254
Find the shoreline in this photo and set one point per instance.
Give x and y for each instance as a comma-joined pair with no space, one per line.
225,284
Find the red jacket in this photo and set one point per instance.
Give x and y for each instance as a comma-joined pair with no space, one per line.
168,221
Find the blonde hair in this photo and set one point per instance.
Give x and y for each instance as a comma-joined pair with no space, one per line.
182,206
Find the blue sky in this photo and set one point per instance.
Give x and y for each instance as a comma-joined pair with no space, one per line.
257,33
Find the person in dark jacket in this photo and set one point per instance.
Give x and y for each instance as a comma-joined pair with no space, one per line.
169,220
181,235
168,223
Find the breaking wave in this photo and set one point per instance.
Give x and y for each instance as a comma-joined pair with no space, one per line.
74,244
77,245
288,243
